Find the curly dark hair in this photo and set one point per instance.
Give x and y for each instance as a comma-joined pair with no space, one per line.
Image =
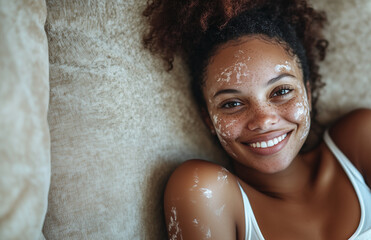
194,29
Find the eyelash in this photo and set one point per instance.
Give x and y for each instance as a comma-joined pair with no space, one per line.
279,92
227,105
282,91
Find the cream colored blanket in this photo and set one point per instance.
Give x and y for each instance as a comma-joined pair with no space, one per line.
119,123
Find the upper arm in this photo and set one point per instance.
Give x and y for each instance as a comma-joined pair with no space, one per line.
352,134
198,202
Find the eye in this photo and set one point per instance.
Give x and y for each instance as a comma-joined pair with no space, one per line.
231,105
281,91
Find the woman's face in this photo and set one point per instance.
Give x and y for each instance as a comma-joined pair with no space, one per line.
257,103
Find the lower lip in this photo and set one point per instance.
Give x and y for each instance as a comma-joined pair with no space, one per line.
271,150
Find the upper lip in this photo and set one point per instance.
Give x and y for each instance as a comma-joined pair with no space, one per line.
266,136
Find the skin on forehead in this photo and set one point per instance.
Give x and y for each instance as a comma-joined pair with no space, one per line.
232,62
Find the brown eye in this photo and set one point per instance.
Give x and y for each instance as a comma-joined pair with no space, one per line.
282,91
231,104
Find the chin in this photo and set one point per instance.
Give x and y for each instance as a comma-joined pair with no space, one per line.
273,167
266,165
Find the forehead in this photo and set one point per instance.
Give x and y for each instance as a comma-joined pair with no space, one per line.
249,55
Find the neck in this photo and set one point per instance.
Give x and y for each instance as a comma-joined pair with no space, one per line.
295,183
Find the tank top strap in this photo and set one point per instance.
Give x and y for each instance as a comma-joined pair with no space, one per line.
358,182
252,230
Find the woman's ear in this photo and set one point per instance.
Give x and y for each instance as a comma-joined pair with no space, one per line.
207,120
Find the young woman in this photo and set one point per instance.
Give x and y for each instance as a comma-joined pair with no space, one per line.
255,75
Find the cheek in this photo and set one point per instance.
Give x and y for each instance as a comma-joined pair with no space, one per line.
298,111
307,118
298,107
227,130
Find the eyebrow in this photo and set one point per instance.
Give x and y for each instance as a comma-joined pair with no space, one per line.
224,91
271,81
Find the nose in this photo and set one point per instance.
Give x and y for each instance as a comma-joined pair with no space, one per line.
262,118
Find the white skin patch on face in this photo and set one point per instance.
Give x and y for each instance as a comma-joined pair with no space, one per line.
225,76
223,133
173,227
300,110
215,119
218,126
281,67
239,53
231,123
207,192
262,107
225,144
241,71
307,119
303,112
239,68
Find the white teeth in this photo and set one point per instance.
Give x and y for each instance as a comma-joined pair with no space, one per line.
270,143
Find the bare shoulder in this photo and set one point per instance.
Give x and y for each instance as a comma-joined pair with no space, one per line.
192,171
352,134
200,202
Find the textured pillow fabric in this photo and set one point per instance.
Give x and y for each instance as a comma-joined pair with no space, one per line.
24,133
120,124
346,70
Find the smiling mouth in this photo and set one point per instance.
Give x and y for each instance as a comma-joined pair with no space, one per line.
269,143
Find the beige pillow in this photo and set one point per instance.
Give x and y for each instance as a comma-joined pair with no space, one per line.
346,70
24,133
120,124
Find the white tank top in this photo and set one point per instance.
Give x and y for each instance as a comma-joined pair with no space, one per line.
363,232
